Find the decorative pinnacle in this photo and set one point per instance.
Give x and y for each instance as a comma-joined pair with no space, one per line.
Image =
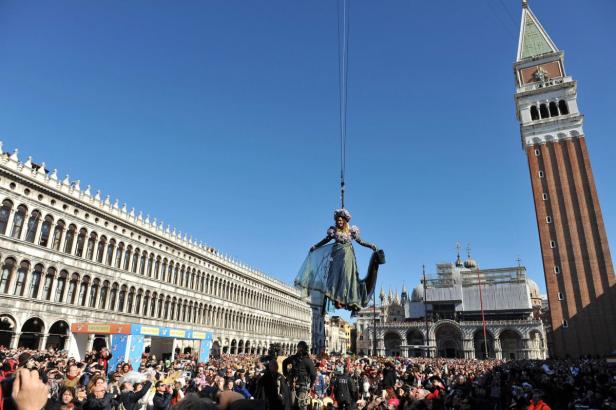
468,250
524,4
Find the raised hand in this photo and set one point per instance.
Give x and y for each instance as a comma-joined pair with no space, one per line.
29,392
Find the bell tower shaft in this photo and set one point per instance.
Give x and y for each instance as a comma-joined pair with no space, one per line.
577,264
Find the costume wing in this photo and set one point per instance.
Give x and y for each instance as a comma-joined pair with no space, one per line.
312,275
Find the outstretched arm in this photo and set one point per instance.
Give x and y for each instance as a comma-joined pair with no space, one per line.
360,241
320,243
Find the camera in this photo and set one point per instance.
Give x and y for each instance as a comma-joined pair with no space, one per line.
272,353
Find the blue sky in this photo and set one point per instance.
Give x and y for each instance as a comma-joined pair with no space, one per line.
221,117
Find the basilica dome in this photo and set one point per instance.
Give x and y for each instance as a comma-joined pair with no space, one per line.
418,294
534,289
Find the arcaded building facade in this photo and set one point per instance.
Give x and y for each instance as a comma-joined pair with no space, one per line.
69,255
444,317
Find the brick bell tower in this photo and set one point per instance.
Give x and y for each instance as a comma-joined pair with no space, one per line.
578,268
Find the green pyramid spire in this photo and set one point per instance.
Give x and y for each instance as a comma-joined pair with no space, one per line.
534,40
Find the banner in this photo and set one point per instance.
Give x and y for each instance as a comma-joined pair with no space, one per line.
119,344
135,351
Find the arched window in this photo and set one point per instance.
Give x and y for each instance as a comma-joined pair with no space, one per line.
81,241
100,251
5,212
70,238
160,306
122,298
91,244
176,273
110,249
534,113
94,293
46,230
553,109
21,278
170,273
543,110
57,235
33,222
35,281
18,221
60,286
135,260
144,256
83,290
157,268
146,305
130,300
172,313
167,302
72,288
119,252
129,253
103,298
51,273
113,296
163,270
7,270
563,107
150,265
138,301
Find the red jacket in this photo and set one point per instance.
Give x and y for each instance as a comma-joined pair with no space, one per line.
540,405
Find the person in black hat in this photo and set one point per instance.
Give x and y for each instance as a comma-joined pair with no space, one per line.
26,360
273,389
300,374
345,391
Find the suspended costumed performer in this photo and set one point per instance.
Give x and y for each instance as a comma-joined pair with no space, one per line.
332,268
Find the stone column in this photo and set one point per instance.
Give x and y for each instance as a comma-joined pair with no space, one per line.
87,296
90,344
151,307
13,278
54,286
525,351
469,349
498,351
24,228
39,291
43,341
107,297
27,280
62,236
39,226
9,222
15,340
75,240
114,250
380,346
52,231
67,284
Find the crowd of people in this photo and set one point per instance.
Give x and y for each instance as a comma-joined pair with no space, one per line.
49,379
